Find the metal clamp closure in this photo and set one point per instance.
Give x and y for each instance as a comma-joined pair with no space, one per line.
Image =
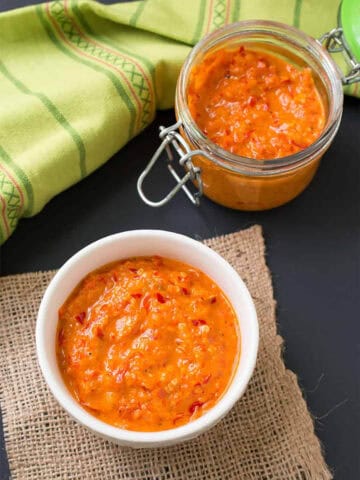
171,137
334,42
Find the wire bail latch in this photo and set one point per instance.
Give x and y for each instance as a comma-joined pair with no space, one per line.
334,42
171,137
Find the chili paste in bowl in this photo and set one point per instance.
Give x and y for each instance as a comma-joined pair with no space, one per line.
147,343
147,338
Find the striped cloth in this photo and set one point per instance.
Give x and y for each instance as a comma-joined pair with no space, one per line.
79,79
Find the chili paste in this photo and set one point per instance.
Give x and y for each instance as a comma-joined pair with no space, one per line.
255,104
147,343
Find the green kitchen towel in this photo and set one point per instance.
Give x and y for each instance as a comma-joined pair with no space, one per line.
79,79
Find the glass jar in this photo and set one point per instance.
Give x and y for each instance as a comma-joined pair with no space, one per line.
250,184
245,183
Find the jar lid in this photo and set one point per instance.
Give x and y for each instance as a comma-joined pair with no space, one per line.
350,23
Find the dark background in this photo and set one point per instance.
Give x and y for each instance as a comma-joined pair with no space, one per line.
313,247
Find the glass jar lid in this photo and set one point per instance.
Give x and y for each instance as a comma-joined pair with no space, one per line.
345,39
349,21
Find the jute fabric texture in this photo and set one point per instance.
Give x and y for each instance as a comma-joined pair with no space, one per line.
268,435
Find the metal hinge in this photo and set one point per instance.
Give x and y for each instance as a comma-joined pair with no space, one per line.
171,137
334,42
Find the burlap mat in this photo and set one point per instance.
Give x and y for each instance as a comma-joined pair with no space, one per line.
268,435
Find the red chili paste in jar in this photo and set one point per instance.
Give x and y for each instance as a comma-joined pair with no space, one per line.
147,343
255,104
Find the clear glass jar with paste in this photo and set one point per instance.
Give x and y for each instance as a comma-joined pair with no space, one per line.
246,183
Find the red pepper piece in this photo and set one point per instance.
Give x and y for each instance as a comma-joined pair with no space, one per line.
178,417
198,321
61,337
213,300
136,295
134,270
251,101
115,277
99,332
145,302
80,318
194,406
185,291
298,144
206,379
160,298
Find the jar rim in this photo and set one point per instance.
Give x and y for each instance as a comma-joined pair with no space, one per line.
262,167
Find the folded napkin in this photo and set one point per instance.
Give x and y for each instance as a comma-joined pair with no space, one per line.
79,79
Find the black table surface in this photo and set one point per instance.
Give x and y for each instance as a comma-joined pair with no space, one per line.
312,251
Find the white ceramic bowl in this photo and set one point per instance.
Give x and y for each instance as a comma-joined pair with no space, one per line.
139,243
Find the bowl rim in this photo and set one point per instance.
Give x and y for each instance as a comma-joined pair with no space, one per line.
234,391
